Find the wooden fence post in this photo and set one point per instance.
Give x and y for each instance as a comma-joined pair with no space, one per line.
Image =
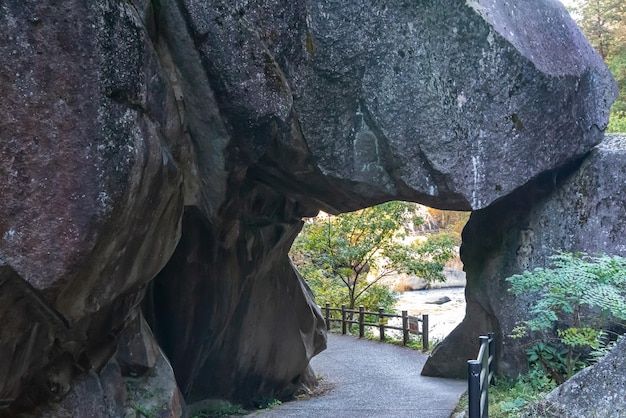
343,319
327,316
381,319
425,332
361,321
405,327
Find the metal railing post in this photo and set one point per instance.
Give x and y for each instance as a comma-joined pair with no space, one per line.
485,377
480,374
473,388
492,356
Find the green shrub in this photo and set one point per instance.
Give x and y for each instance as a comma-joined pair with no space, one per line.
567,300
333,291
617,123
508,398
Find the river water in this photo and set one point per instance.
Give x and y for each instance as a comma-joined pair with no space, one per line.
442,318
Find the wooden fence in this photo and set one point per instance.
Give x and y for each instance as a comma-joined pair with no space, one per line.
410,324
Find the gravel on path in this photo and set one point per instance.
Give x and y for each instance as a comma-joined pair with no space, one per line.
362,378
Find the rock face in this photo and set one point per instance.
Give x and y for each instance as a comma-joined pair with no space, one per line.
167,152
386,95
597,391
411,86
250,337
578,208
137,382
93,156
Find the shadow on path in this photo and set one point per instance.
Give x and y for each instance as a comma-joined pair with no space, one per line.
370,379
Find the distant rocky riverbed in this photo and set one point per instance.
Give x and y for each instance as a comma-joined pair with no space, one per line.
442,318
418,297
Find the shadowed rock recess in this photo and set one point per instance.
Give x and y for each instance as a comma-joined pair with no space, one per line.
157,159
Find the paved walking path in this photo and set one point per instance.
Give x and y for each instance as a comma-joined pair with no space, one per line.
372,379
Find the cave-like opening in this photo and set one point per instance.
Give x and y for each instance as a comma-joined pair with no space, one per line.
399,256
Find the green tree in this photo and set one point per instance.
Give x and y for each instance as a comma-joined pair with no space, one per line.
601,21
451,221
355,250
567,300
604,24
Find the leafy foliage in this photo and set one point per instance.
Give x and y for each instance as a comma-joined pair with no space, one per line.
604,24
357,249
553,359
510,397
568,299
450,221
334,292
575,281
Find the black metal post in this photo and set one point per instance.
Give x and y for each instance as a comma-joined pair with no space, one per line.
343,319
480,374
473,388
492,356
483,397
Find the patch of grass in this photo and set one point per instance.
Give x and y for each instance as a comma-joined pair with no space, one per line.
415,341
511,398
269,403
508,398
215,408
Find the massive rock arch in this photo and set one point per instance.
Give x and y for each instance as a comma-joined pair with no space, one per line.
186,140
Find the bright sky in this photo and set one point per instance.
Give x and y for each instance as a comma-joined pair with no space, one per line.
570,3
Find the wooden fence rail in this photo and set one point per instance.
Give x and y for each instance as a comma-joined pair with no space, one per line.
410,324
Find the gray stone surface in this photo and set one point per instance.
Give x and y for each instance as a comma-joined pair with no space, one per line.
186,140
362,378
395,91
578,208
373,100
596,392
440,301
154,394
324,111
92,162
